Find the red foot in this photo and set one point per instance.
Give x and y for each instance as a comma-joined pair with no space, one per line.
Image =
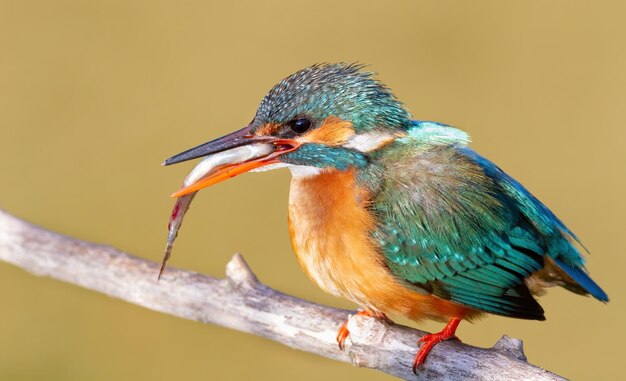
343,332
429,341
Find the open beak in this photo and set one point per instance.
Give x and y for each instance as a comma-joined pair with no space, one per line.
229,156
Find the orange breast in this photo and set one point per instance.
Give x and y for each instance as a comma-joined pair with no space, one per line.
331,230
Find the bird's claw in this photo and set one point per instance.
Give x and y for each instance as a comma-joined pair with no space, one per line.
427,342
342,335
424,338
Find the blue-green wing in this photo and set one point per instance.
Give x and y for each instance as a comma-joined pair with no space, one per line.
557,238
453,224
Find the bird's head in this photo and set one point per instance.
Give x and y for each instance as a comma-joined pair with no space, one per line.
327,116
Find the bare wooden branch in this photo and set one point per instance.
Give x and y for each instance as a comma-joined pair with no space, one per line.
242,303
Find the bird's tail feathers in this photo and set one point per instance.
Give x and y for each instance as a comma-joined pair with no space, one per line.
556,272
582,279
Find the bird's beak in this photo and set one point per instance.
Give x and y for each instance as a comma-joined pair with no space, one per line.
229,156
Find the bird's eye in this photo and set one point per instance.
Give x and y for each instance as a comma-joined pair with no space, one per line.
300,126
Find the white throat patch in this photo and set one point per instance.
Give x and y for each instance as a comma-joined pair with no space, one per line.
302,171
297,171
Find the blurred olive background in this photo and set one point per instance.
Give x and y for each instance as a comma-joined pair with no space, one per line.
95,94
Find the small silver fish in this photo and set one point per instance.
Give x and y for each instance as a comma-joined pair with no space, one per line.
206,168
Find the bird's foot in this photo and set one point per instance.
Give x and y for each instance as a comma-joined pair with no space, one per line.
429,341
343,332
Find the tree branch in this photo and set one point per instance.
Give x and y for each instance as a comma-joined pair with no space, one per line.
242,303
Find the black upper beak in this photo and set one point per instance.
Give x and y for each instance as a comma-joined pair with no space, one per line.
226,142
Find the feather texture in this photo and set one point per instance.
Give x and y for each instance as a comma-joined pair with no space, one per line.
452,223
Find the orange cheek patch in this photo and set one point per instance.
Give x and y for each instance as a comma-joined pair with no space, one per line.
333,132
267,129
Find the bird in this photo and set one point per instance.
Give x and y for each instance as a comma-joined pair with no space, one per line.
399,216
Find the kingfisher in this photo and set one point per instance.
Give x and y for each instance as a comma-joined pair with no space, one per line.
400,216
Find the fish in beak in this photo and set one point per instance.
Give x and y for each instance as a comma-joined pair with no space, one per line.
225,157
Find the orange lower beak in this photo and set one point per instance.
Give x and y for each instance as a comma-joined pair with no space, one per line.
225,173
228,171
